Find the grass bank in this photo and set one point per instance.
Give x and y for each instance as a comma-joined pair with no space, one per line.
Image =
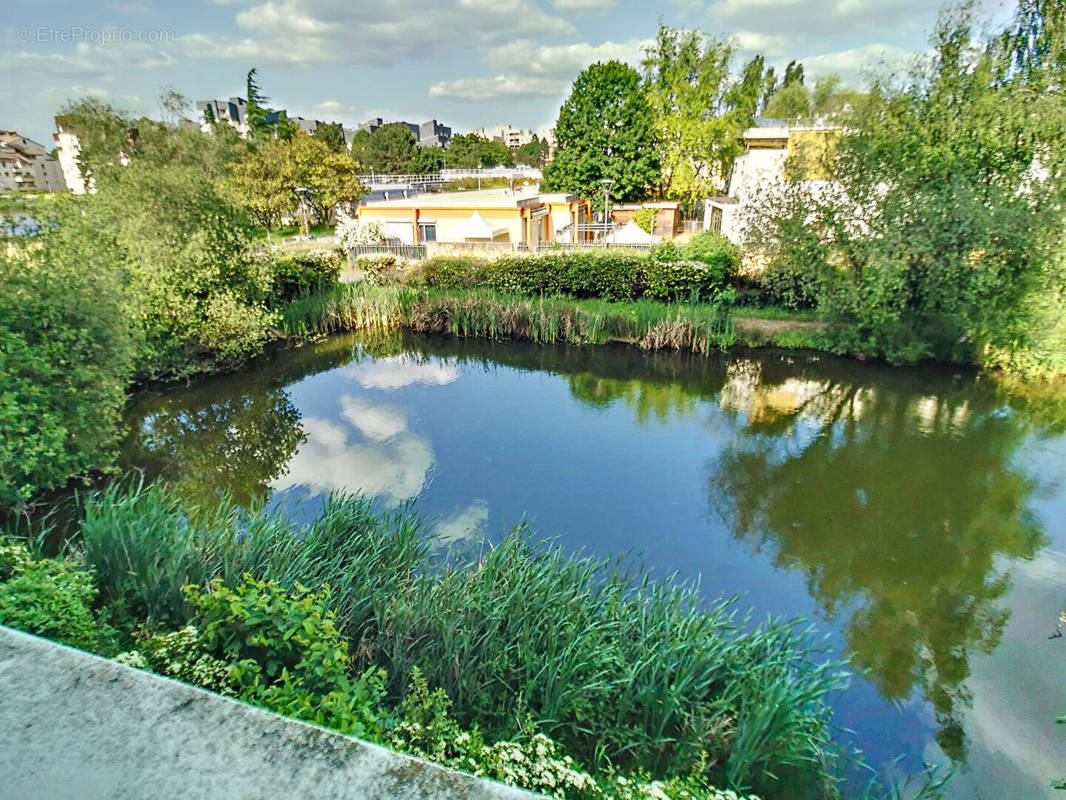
627,674
650,325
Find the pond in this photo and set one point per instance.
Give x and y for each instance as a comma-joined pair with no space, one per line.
913,515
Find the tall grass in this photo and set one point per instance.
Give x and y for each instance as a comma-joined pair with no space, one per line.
624,670
484,313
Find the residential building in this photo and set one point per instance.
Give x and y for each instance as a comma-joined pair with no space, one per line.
525,216
505,134
233,110
429,134
774,151
24,165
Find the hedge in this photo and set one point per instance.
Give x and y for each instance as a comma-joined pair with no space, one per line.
614,275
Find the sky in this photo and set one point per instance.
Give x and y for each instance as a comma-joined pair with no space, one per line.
466,63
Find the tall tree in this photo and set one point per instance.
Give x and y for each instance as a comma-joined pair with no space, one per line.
332,135
605,130
391,148
470,151
533,153
686,76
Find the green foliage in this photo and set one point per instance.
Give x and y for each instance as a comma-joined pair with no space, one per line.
382,269
192,283
449,272
533,153
680,682
683,281
606,129
331,134
66,356
716,251
52,598
700,110
645,219
943,236
390,149
265,179
610,275
470,151
297,274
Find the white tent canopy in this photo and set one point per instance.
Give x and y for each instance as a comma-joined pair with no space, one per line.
478,228
630,234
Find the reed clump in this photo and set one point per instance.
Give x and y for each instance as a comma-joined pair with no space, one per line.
625,671
477,312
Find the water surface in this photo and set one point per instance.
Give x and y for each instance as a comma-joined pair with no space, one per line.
917,517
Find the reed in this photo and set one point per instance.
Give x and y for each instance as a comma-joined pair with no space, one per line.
624,670
484,313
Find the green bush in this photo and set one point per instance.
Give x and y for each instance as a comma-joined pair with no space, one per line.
66,355
274,647
645,219
52,598
681,281
482,627
383,269
448,272
605,274
716,251
297,274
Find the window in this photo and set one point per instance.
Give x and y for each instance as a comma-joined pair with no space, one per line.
427,231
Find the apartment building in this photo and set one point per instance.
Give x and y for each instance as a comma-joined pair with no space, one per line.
24,165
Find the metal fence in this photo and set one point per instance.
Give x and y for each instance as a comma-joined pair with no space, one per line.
413,252
416,252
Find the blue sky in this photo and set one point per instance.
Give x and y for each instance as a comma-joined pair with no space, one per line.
467,63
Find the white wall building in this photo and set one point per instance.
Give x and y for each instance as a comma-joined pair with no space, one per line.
760,169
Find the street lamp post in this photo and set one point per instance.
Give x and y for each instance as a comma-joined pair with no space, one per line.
302,192
606,184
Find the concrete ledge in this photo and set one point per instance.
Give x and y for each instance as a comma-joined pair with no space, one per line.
73,725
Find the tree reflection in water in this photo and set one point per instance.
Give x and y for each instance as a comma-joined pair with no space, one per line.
897,504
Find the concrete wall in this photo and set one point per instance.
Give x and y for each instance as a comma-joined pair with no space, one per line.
73,725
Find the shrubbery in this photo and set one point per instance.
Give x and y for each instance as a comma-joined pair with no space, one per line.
613,275
297,274
695,686
52,598
66,357
281,649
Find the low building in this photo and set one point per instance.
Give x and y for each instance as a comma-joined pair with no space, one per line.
25,166
774,152
526,217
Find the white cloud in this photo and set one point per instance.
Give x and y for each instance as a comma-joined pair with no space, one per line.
583,5
502,87
467,523
851,64
377,422
328,462
328,31
755,42
818,17
334,108
561,61
398,371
